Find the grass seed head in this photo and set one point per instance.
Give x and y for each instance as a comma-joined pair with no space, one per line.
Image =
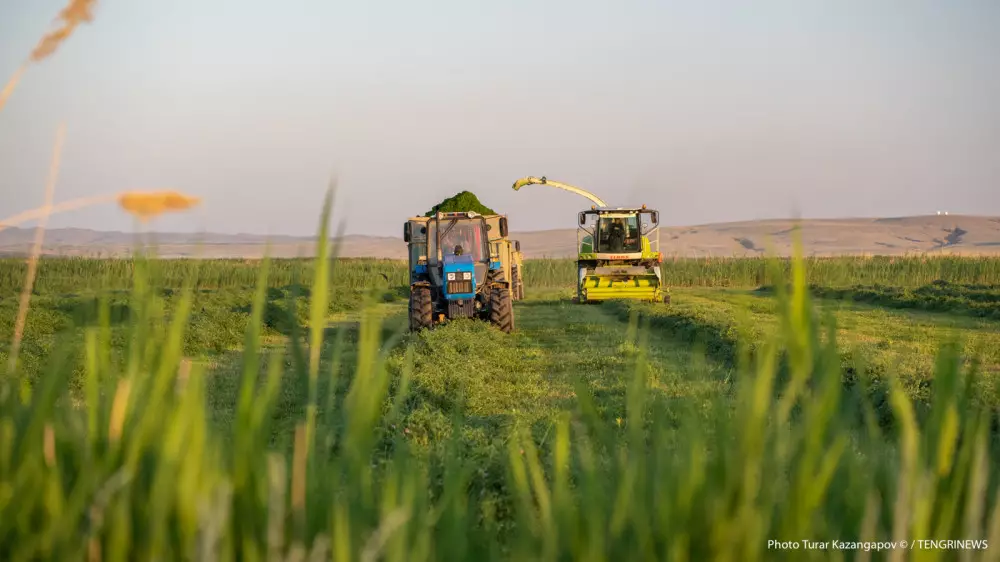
146,205
75,13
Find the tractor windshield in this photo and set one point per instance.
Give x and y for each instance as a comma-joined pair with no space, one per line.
463,237
618,233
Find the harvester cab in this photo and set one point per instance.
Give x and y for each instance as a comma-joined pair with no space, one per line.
619,249
452,273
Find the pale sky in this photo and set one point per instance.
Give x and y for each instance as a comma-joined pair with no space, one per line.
710,111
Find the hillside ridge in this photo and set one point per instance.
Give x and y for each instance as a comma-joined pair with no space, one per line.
961,234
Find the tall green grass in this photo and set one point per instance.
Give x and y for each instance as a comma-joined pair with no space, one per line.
67,275
72,275
135,470
910,271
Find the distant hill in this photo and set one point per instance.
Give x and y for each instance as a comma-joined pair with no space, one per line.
934,234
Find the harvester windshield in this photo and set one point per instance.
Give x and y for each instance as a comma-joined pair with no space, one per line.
618,233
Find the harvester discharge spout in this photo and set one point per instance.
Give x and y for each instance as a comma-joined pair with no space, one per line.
532,180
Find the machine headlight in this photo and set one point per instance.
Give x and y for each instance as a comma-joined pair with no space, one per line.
467,275
451,276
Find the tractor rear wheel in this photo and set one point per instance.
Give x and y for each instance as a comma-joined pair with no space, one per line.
421,308
502,309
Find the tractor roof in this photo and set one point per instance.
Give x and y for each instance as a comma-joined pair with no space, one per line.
459,215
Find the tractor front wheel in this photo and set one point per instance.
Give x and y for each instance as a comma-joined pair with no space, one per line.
502,309
421,308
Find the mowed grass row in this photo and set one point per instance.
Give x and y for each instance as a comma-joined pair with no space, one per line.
876,345
583,437
981,301
68,275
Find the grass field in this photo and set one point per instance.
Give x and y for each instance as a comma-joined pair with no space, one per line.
248,410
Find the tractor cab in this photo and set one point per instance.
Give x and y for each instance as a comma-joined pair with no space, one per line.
459,254
450,260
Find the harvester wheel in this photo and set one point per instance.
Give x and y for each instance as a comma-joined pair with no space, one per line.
421,308
501,309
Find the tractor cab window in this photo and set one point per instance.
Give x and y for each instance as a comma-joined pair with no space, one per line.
418,242
463,238
418,251
618,234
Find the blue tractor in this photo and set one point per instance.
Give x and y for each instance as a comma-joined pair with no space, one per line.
452,274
